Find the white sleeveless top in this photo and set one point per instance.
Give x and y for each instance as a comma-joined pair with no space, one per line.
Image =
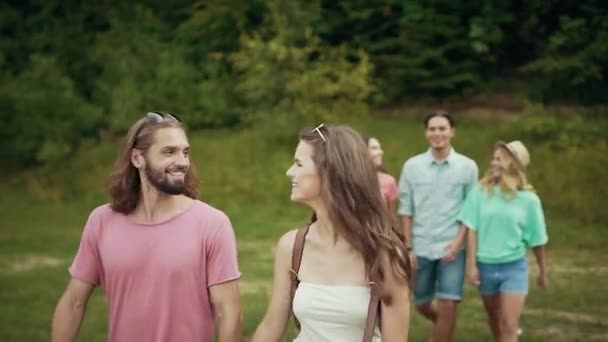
332,313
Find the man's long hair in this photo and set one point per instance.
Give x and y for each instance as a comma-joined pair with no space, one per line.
124,183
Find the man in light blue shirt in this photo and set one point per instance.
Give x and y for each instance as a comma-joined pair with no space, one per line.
432,188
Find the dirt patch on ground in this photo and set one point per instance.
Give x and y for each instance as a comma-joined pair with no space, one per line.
568,334
254,286
493,108
488,114
569,268
258,245
30,262
570,316
262,250
579,269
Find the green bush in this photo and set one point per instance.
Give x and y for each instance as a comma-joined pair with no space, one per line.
582,128
142,72
287,78
569,157
282,64
574,64
46,118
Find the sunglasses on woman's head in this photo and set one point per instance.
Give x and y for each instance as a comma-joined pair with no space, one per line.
318,130
157,117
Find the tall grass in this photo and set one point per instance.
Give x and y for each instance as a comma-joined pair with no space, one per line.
244,166
243,173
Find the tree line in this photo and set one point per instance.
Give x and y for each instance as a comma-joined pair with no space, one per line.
80,70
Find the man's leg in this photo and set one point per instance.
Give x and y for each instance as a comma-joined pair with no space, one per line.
428,310
446,320
450,282
424,288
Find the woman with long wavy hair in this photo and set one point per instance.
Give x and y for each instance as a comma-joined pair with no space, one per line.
352,248
388,185
504,218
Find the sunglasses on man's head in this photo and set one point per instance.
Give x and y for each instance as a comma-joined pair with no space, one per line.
155,117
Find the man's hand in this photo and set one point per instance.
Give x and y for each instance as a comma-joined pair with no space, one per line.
413,260
451,250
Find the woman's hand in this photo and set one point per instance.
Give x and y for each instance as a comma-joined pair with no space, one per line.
539,253
542,280
473,275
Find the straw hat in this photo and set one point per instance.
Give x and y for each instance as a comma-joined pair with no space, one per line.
518,150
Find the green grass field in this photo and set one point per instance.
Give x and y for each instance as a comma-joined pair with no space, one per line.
243,175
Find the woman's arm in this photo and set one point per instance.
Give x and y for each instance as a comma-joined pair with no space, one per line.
395,321
539,253
535,236
277,315
392,206
392,197
472,272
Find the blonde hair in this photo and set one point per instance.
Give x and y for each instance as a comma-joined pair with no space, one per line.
513,178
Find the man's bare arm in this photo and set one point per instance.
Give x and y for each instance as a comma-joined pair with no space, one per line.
226,302
406,227
70,311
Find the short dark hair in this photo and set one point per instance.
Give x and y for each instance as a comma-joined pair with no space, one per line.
442,114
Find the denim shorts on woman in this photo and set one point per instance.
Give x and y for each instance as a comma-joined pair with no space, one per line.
510,277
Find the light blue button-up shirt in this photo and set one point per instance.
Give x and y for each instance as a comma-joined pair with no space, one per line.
432,193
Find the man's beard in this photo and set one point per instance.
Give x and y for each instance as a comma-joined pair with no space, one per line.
160,180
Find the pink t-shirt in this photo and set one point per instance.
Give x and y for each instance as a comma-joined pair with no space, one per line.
156,278
388,187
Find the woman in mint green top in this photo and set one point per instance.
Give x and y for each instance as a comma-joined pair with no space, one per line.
504,218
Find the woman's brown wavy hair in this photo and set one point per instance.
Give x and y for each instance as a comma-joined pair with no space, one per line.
351,194
367,139
124,184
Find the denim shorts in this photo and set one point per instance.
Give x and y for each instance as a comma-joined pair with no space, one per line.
434,278
511,277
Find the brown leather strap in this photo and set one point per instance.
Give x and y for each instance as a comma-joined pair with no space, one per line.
296,260
373,311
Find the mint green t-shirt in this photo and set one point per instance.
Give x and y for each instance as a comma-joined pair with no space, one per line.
505,227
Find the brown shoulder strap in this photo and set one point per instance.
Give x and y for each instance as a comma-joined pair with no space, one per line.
296,260
373,311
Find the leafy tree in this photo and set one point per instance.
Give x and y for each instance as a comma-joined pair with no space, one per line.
574,64
46,118
288,79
